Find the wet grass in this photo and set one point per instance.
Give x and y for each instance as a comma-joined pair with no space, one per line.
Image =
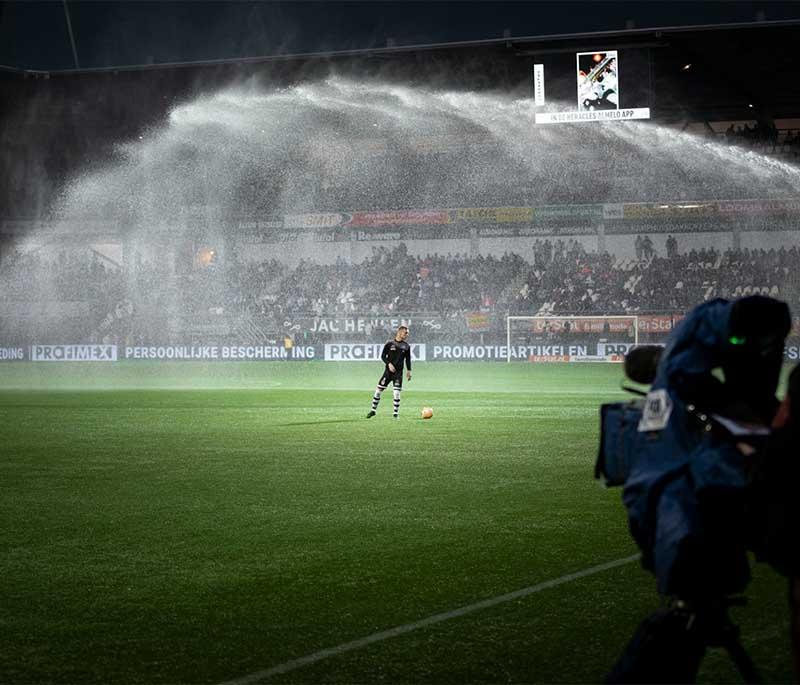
156,534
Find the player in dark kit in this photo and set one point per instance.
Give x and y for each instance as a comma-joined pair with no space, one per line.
395,353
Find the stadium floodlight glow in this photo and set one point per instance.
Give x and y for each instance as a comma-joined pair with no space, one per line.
686,67
553,338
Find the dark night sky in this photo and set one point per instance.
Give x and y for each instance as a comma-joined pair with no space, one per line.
34,35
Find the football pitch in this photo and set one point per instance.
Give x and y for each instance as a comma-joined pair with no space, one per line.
204,523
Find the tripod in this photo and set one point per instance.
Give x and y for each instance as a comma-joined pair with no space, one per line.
714,627
669,645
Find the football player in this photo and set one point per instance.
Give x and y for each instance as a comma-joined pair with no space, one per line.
395,354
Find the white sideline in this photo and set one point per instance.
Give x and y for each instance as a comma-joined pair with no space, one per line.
436,618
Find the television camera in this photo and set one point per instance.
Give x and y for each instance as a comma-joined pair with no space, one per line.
680,452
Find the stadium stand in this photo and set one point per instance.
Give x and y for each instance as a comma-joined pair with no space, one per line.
563,278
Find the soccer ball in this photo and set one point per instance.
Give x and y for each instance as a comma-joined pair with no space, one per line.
427,413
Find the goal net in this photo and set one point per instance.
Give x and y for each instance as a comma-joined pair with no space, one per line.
570,338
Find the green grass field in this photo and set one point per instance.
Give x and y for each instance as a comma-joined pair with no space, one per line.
188,522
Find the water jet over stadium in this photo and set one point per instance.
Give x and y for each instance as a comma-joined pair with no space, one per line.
199,265
331,171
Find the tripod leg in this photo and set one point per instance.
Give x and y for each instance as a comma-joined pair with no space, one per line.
661,651
741,659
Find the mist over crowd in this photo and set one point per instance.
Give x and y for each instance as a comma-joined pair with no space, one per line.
80,295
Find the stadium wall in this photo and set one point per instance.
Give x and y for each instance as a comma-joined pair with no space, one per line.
356,251
765,240
292,253
622,246
524,246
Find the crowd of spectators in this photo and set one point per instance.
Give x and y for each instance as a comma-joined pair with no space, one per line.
66,277
764,137
390,281
561,278
674,282
62,294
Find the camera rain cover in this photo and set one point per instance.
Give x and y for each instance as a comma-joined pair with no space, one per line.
618,426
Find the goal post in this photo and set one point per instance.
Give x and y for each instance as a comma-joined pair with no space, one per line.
570,338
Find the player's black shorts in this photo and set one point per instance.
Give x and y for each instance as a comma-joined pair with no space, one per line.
389,377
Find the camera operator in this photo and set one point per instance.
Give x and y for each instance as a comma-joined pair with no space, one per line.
775,511
686,491
685,474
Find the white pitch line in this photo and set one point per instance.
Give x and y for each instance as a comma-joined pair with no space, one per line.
423,623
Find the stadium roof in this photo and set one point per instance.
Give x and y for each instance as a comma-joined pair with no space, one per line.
699,73
68,34
657,37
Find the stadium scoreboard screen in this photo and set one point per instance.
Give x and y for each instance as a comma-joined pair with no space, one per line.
597,85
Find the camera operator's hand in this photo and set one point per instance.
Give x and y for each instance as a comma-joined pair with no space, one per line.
745,449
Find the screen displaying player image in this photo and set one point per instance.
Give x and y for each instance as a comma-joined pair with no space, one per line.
598,80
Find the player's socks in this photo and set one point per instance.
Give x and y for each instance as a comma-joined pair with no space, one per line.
396,401
376,398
